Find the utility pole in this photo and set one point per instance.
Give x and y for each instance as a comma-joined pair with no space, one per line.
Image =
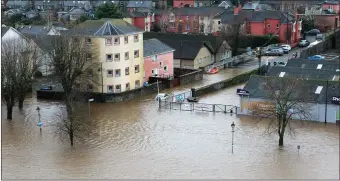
259,55
326,102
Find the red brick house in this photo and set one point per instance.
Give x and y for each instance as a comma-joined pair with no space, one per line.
262,23
182,3
331,6
326,22
141,20
188,20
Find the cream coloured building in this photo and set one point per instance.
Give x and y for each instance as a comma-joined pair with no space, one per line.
117,47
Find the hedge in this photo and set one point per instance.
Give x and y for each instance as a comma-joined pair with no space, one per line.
257,41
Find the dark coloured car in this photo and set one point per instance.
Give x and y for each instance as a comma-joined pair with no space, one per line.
313,32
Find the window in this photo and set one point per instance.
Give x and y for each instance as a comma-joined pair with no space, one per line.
218,22
117,73
277,25
110,88
126,55
160,64
165,68
319,66
187,27
136,53
318,90
268,25
117,56
188,17
127,71
117,41
126,40
135,38
108,57
154,58
88,56
88,40
110,73
108,41
118,88
172,25
137,84
282,74
136,68
127,86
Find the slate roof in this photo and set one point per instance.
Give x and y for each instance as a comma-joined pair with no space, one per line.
43,41
214,42
135,14
310,64
155,47
302,73
228,17
4,30
276,2
224,3
251,5
139,4
198,11
331,2
104,27
33,30
255,86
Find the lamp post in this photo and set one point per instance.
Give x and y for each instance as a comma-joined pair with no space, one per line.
259,56
232,136
90,100
39,121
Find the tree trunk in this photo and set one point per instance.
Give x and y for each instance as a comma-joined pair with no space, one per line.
21,103
281,140
9,112
71,136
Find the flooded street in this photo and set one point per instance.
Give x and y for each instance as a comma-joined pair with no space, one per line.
136,140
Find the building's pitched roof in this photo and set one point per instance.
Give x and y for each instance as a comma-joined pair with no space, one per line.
304,2
135,14
228,17
155,47
77,11
104,27
34,30
4,30
214,42
302,73
198,11
255,87
139,4
44,42
251,5
331,2
225,3
310,64
184,49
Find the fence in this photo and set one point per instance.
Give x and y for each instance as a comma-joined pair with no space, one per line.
202,107
180,97
228,62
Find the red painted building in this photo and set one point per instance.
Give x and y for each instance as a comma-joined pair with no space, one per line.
332,6
141,20
182,3
326,22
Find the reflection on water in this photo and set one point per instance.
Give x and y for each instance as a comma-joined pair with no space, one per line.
136,140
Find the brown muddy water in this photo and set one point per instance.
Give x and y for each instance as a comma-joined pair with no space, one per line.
136,140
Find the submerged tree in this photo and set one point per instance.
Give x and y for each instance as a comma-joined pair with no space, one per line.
233,35
72,65
288,97
18,64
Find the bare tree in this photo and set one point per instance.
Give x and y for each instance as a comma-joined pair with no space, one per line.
232,34
164,20
72,65
18,65
289,99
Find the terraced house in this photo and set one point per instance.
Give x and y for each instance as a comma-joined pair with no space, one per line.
118,47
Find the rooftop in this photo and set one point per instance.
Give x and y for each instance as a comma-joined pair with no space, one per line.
302,73
104,27
155,47
198,11
310,64
4,30
44,42
34,29
139,4
255,86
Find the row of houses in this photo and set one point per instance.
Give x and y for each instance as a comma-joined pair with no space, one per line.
316,90
129,56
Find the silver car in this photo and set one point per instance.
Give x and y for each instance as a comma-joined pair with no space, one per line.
274,52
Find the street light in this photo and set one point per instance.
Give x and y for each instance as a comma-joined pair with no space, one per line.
232,137
259,56
90,100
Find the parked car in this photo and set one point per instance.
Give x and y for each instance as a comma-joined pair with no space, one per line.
274,52
279,64
162,96
316,57
313,32
304,43
285,48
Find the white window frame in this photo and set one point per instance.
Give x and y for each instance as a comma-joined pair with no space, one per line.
117,59
135,38
268,25
126,39
120,88
116,43
128,71
137,71
127,86
108,88
108,41
107,59
165,68
107,73
120,73
134,54
128,56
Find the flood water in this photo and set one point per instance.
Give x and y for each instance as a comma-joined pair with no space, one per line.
135,139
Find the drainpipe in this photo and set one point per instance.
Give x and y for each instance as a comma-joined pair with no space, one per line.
326,102
101,72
